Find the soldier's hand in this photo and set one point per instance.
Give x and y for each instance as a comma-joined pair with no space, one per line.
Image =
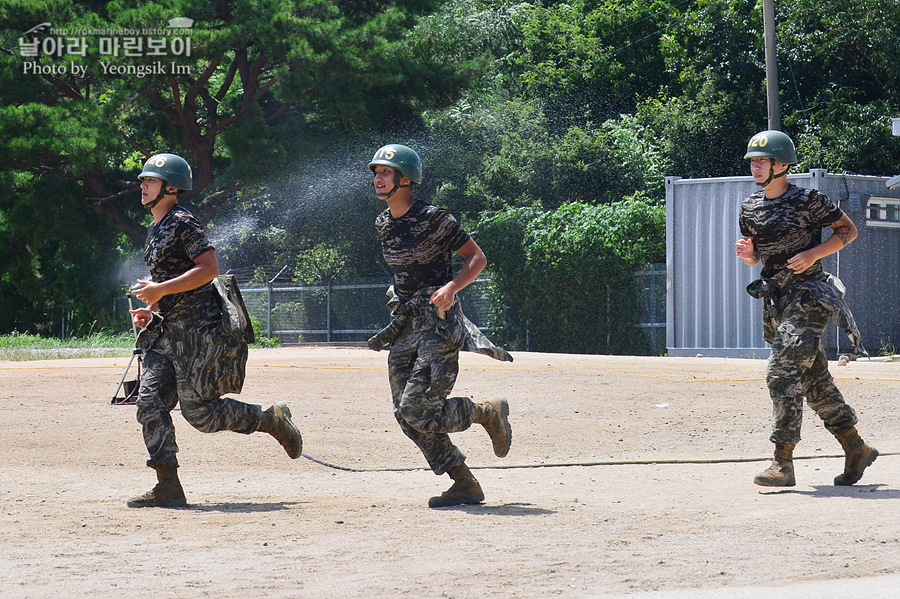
443,298
744,247
800,262
150,292
141,316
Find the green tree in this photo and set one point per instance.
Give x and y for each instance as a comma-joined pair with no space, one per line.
838,66
566,276
55,263
260,76
841,63
592,59
506,155
265,82
716,97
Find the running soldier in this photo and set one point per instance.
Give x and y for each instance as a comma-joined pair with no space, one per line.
782,228
190,354
429,328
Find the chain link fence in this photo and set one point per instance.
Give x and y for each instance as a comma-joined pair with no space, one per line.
652,302
354,311
345,312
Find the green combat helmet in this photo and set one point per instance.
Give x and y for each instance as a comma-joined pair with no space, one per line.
772,144
172,169
400,157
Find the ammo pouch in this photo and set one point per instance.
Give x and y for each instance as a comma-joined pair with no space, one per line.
235,318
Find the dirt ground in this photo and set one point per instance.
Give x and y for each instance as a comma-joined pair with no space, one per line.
628,477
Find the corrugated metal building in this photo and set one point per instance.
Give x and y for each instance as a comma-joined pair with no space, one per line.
708,310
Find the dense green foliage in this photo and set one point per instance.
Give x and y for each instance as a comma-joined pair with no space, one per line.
267,81
544,125
568,274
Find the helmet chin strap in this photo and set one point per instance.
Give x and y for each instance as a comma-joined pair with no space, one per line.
158,199
387,196
772,176
162,193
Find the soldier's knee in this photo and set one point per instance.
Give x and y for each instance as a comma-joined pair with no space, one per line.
198,416
405,413
784,386
150,409
414,417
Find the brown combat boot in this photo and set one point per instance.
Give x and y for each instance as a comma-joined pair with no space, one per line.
166,493
781,472
465,489
493,415
858,455
276,420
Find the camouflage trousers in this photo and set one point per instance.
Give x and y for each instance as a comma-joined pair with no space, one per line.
422,369
798,368
161,389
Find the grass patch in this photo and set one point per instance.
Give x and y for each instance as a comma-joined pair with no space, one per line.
19,347
22,346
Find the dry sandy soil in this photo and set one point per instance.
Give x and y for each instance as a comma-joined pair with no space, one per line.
628,477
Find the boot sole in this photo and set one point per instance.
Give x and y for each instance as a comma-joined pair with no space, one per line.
763,482
471,499
869,461
167,503
504,417
287,416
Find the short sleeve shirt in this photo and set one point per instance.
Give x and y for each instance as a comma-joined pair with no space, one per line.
418,247
784,226
171,248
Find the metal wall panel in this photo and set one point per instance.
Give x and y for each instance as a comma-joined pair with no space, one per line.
869,267
708,310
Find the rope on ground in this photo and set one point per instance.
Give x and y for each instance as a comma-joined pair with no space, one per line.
588,464
335,466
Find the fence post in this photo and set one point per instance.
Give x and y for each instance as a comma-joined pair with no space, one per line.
328,301
328,311
269,309
269,302
608,321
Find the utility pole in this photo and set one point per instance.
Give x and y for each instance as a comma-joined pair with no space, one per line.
771,65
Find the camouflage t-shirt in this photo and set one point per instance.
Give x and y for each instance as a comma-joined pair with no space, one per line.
784,226
418,246
171,248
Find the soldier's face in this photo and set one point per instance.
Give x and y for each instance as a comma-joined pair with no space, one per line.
386,178
761,168
150,188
